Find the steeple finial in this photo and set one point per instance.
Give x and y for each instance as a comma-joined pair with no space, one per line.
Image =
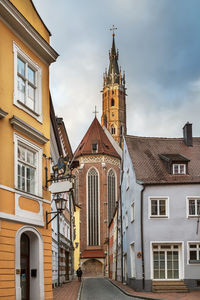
95,111
113,30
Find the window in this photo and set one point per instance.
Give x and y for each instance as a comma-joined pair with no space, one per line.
166,261
158,207
27,84
194,252
28,166
93,207
133,212
111,194
112,129
194,207
126,219
112,102
179,169
127,179
94,148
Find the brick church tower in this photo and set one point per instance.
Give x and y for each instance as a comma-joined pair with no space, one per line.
97,182
114,97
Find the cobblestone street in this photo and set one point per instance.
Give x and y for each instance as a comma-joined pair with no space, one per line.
70,291
67,291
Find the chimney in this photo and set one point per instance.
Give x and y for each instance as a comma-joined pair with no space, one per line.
187,134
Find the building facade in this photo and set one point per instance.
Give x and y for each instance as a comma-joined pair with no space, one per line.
26,259
98,179
160,204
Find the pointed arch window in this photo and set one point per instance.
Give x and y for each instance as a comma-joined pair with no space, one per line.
76,183
112,129
111,194
112,102
93,208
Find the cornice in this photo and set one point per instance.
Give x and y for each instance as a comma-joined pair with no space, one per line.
103,159
19,24
28,130
3,113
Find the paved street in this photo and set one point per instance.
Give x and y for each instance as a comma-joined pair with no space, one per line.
101,289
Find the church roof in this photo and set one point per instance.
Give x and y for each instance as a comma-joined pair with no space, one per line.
113,67
95,142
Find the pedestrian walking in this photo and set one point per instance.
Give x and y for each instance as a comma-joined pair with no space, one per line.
79,273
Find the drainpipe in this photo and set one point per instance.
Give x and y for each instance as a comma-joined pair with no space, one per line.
142,238
121,236
116,257
58,229
71,244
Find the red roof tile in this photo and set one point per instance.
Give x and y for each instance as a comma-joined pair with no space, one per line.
92,253
95,135
151,169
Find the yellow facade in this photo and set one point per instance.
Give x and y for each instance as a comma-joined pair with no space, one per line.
77,238
22,210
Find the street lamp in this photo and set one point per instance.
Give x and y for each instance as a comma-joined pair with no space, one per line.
60,202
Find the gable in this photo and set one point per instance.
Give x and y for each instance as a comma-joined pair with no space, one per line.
28,10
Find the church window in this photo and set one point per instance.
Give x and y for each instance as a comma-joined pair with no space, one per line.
93,208
111,194
94,148
112,129
76,181
112,102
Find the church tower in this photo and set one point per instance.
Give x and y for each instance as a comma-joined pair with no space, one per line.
114,97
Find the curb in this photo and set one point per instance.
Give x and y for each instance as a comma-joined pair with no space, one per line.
79,291
131,295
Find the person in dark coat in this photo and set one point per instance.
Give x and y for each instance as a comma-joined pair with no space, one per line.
79,273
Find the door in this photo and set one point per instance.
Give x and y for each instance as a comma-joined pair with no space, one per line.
166,261
24,262
66,265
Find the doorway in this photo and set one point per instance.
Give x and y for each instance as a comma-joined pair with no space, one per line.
166,262
25,266
66,265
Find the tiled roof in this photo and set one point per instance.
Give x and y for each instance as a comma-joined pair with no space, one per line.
92,253
95,135
151,169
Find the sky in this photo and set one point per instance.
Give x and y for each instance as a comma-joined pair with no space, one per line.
159,50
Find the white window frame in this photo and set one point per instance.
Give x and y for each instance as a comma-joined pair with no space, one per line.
37,113
187,205
132,213
166,216
179,166
38,154
190,262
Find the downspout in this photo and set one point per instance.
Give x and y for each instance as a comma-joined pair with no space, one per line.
142,238
71,244
121,237
58,225
116,257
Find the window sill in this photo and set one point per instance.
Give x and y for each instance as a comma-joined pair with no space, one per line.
28,108
194,262
159,217
193,216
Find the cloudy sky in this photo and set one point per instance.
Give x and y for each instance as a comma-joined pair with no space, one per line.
159,50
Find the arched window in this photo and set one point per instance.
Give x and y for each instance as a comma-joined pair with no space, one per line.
105,120
112,129
93,208
76,182
111,194
112,102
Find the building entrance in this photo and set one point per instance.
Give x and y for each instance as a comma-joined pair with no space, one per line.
24,261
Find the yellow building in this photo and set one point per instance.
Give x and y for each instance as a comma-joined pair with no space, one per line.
25,243
77,237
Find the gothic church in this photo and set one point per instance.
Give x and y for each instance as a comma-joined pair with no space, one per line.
98,174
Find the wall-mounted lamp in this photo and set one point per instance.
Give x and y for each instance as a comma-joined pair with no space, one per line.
60,202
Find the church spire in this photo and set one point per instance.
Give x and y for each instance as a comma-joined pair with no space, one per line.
114,96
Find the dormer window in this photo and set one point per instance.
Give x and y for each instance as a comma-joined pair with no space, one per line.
179,169
94,148
175,163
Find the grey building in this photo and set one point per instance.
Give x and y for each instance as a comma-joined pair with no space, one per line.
161,208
